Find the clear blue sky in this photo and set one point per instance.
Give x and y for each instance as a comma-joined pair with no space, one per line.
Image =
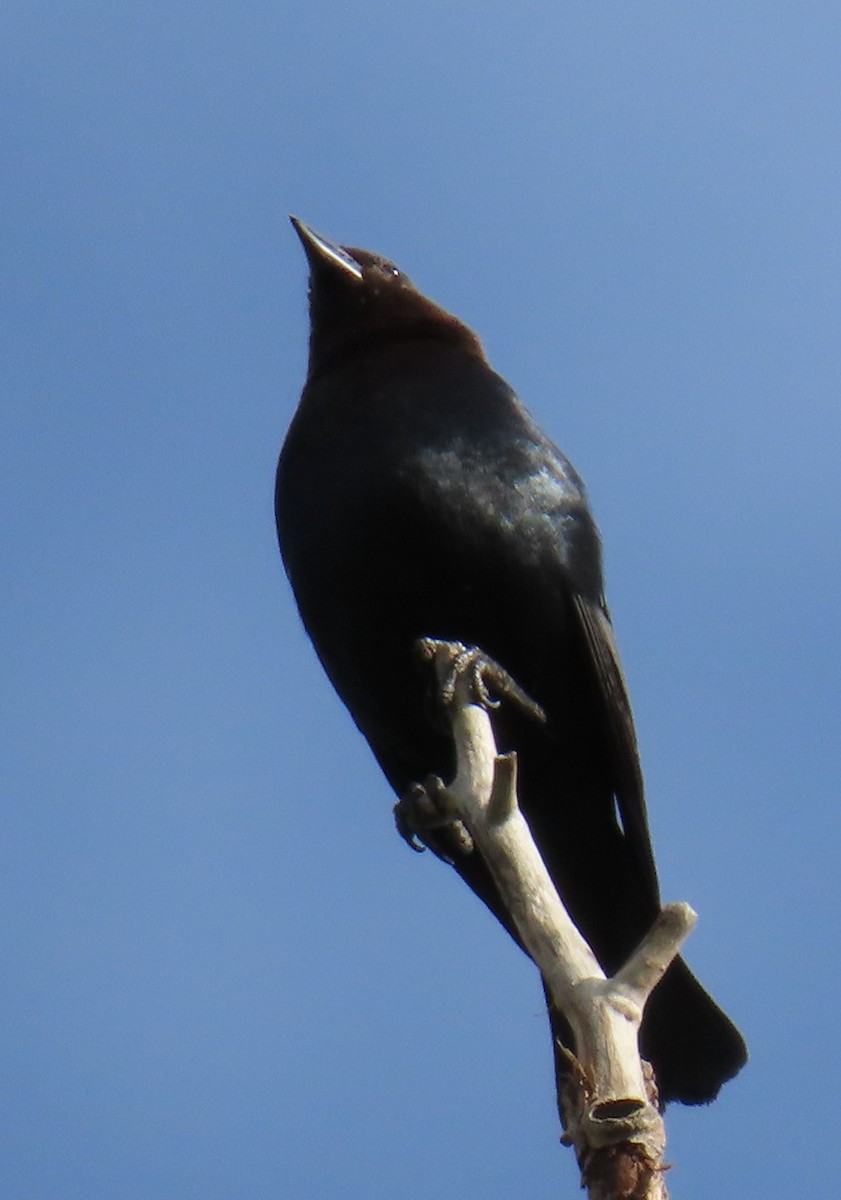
224,976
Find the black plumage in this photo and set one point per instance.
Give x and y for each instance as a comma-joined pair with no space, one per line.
416,497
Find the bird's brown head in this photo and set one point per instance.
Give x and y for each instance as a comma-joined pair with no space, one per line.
359,299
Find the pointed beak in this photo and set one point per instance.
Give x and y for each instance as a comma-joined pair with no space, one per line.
322,253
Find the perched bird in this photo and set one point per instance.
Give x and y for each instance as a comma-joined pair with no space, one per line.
417,498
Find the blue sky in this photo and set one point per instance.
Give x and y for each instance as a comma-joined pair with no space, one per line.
224,975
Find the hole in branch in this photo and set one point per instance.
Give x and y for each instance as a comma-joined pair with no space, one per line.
616,1110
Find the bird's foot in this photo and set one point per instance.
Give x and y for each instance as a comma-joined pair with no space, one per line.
489,682
426,817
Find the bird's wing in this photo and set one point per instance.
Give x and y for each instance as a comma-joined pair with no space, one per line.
629,791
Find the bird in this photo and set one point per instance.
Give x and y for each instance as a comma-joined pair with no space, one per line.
416,498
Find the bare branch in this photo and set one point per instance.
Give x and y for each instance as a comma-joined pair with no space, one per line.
609,1100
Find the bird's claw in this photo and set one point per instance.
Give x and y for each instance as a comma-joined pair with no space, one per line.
406,816
426,818
484,674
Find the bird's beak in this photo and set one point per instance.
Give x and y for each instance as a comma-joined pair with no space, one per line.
321,253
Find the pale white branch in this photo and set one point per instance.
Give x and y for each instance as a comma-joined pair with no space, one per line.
609,1103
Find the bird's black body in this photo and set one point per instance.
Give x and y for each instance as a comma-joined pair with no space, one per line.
416,498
